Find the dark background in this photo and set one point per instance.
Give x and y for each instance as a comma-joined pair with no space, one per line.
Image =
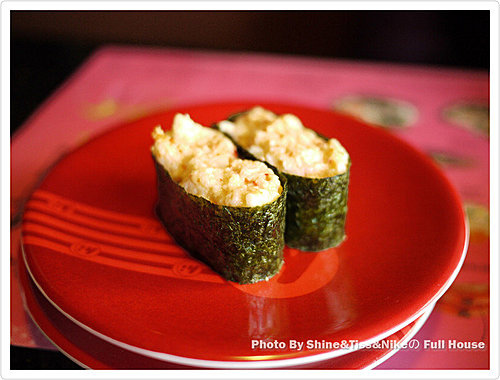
46,47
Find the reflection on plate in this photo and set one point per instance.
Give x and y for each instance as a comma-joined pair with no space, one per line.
96,250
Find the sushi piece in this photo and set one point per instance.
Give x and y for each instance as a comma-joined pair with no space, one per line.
316,169
226,211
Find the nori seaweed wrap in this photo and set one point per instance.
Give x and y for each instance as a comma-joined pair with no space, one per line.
243,244
316,211
316,208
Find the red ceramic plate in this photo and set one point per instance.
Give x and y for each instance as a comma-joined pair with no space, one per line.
96,250
92,352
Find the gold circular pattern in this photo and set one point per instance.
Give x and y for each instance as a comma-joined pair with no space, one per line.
383,112
472,116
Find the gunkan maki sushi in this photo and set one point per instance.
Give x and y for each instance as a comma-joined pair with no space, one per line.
226,211
316,169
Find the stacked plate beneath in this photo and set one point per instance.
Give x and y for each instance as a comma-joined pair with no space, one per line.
90,351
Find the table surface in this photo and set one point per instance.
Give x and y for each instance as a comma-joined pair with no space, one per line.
443,112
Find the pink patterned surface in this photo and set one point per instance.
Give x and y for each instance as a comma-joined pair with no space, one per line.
120,84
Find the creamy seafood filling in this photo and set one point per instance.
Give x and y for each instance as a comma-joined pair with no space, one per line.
204,162
284,142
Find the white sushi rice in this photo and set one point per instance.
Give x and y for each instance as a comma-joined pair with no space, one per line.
204,162
285,143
